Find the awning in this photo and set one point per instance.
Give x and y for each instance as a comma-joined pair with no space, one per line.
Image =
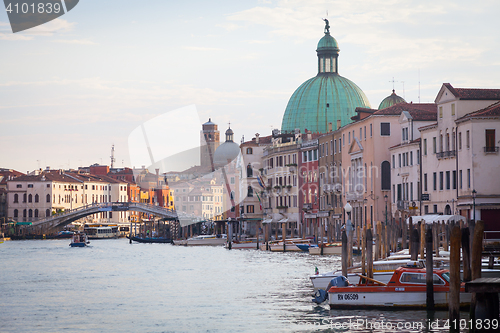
24,223
267,221
285,220
429,219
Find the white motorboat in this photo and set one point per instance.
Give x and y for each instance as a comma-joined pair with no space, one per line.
214,240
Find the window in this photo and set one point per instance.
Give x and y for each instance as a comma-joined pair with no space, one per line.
435,207
425,182
249,171
441,179
393,161
460,180
411,158
418,157
47,212
434,145
434,181
335,147
30,185
447,180
411,191
385,129
453,109
426,209
399,157
490,141
425,147
250,209
16,198
349,136
440,112
16,213
467,140
386,176
249,151
460,140
340,145
19,186
343,138
250,191
371,131
365,132
468,178
454,179
37,198
30,198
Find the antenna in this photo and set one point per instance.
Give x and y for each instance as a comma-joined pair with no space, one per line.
419,85
403,82
393,82
112,156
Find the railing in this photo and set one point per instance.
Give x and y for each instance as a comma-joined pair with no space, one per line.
307,206
490,149
446,154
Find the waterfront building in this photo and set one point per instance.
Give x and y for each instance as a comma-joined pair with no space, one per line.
366,160
326,98
5,175
253,203
330,183
405,164
280,175
459,155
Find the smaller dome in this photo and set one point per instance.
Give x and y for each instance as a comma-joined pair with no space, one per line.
391,100
225,153
229,132
327,43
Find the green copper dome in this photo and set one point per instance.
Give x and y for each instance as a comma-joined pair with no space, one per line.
391,100
323,99
327,43
327,97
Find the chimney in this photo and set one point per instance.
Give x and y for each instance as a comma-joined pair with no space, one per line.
257,138
309,135
339,124
157,177
330,127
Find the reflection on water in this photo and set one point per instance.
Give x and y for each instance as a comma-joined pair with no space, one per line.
46,286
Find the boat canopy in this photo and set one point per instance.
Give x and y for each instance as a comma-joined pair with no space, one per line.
429,219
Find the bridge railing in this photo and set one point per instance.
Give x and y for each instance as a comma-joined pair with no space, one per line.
102,205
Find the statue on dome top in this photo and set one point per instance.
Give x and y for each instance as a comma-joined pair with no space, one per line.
327,26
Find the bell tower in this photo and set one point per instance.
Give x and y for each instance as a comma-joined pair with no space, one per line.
209,141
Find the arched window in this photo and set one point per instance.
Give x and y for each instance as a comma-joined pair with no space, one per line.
16,213
386,176
30,213
250,191
47,212
30,198
249,151
24,198
37,197
36,212
24,213
48,198
249,171
16,198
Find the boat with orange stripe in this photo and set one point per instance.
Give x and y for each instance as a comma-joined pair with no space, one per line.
405,290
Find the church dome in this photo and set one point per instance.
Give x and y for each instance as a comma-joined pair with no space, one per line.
325,98
391,100
227,151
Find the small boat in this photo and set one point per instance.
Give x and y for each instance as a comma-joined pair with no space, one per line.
214,240
406,290
64,234
305,247
79,240
140,239
289,246
243,244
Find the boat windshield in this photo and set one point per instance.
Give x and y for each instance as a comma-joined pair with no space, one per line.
446,276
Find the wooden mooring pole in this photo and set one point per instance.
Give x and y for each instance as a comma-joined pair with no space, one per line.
414,244
344,253
454,300
369,252
466,254
429,274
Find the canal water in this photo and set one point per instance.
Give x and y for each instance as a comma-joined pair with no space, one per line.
114,286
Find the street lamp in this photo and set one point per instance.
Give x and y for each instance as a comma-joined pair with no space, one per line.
474,203
348,225
385,199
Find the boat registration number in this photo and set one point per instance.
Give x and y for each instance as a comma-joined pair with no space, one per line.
347,297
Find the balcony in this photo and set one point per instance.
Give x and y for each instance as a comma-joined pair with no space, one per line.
403,205
490,149
282,209
307,206
446,154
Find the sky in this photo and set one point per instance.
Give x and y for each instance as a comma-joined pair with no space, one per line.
75,86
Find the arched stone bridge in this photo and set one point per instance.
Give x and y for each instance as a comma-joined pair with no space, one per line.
57,221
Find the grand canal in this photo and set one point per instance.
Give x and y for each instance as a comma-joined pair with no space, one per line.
113,286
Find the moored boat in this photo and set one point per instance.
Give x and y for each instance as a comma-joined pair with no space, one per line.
243,244
140,239
213,240
406,290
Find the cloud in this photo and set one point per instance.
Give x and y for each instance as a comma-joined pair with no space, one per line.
74,41
48,29
201,48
